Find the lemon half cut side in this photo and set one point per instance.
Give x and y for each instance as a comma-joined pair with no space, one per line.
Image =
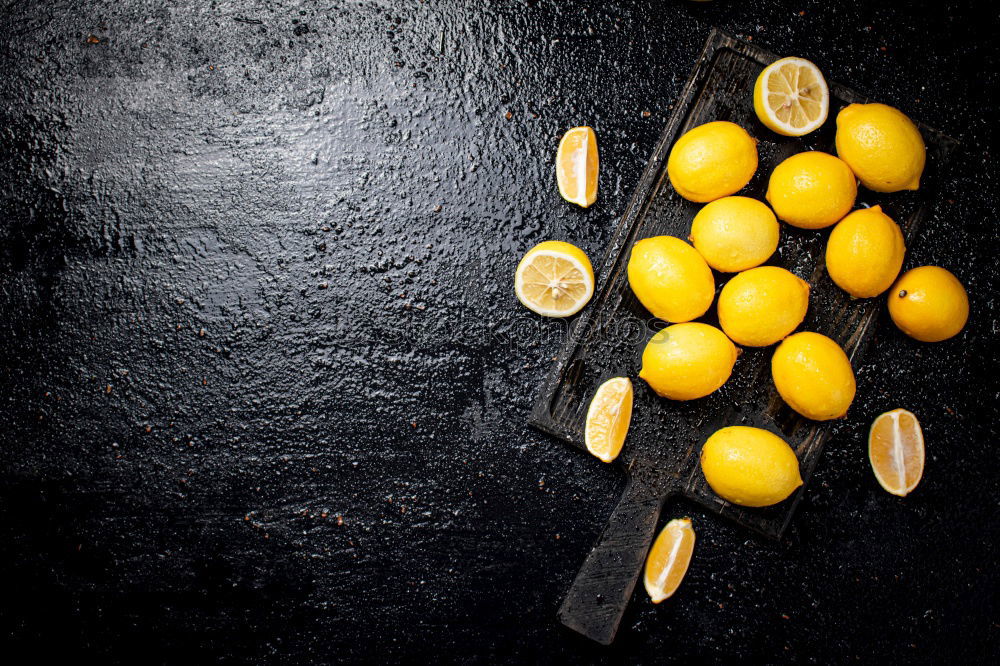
554,279
791,97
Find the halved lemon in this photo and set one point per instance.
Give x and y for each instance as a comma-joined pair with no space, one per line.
668,559
791,97
554,279
608,418
896,451
577,165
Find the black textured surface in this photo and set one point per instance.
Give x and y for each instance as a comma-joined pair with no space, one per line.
265,384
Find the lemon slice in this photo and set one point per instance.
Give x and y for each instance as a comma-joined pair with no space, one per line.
791,97
669,559
577,165
554,279
608,418
896,451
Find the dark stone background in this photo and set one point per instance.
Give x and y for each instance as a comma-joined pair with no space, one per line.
260,397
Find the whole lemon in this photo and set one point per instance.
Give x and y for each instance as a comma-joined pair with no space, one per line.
750,466
882,146
670,278
761,306
711,161
929,304
735,233
687,361
865,252
812,190
814,376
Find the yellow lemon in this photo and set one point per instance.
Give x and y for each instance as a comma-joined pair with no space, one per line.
670,278
750,466
812,190
814,376
554,279
865,252
929,304
608,418
735,233
896,451
687,361
668,559
761,306
882,146
711,161
577,164
791,97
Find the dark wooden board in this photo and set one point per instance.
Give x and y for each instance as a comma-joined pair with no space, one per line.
606,340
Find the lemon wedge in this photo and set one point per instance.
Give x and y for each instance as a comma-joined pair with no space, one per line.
791,97
608,418
554,279
668,559
896,451
577,165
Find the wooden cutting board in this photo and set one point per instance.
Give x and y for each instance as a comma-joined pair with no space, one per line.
606,340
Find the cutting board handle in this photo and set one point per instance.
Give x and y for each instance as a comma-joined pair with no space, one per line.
600,593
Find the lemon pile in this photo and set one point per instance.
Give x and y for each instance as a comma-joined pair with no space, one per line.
759,305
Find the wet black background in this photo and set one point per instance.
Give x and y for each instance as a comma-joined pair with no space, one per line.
264,381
